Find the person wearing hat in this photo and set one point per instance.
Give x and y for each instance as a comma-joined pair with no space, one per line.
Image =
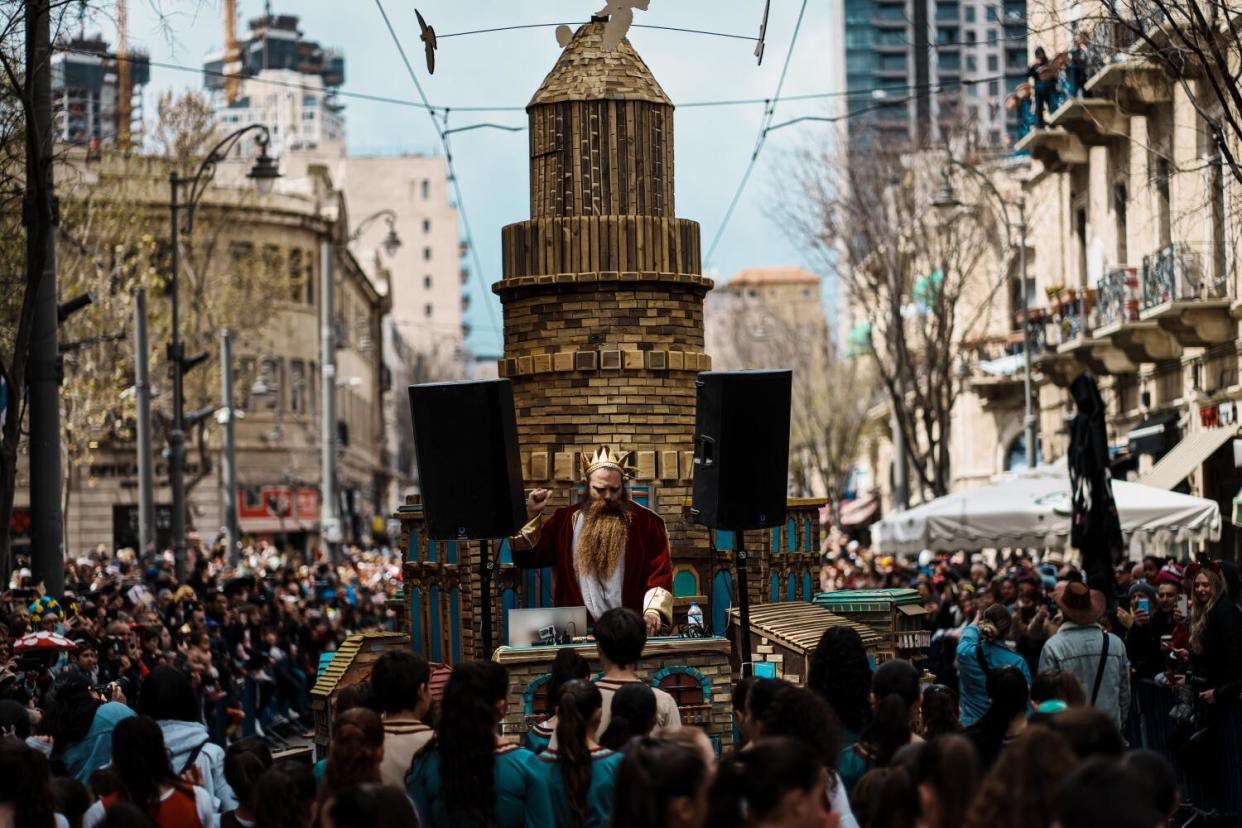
1082,647
1154,624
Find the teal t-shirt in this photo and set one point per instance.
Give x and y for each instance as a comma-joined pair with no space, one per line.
521,791
604,765
537,738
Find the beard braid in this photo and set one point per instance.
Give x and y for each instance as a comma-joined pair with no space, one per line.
601,542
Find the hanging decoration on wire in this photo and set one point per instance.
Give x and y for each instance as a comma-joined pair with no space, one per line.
763,32
428,36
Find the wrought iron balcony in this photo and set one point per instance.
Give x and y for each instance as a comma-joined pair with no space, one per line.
1118,301
1178,274
1187,294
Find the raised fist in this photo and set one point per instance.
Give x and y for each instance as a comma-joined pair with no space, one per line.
536,501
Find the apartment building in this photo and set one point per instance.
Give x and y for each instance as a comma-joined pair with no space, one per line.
912,65
1135,248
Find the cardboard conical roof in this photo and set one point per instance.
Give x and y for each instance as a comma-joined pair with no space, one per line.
586,72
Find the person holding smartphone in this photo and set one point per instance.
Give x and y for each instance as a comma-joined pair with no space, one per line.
1153,624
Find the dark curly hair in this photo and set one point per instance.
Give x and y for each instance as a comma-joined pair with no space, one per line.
466,741
803,715
1020,790
840,673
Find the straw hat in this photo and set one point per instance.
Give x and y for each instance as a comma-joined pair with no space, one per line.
1078,603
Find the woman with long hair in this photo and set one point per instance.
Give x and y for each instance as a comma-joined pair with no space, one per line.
633,714
567,666
841,674
1006,717
580,773
25,787
1215,636
168,697
775,783
662,783
895,700
355,754
146,779
465,775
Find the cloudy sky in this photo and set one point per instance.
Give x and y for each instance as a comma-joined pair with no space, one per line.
714,144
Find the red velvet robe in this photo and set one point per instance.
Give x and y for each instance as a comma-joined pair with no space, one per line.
648,562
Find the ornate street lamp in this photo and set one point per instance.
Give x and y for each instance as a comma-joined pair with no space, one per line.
263,173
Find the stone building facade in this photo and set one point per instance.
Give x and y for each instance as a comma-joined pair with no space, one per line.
276,371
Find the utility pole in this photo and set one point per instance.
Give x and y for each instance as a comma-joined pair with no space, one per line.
330,525
1030,421
176,436
142,398
230,447
41,215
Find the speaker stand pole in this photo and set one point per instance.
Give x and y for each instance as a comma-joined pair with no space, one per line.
486,567
743,595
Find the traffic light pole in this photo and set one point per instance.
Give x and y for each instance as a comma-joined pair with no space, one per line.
176,436
142,401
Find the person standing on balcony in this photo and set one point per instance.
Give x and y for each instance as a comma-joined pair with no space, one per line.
1044,77
1080,64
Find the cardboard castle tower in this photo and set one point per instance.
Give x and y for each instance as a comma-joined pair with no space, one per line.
603,338
602,292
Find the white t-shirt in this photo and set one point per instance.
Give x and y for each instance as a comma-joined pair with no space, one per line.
203,804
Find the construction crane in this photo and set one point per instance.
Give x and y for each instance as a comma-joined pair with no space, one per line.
124,84
232,55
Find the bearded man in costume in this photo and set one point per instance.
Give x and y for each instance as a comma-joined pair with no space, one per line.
606,551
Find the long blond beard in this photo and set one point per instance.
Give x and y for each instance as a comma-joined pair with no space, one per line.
601,542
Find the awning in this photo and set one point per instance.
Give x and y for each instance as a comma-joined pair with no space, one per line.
860,512
1033,507
1153,435
1187,456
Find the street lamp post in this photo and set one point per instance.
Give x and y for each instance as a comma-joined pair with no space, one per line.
263,173
946,199
391,242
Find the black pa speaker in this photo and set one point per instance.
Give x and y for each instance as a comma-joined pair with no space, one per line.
741,449
465,441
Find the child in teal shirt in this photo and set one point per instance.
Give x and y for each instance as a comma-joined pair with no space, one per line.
465,776
579,773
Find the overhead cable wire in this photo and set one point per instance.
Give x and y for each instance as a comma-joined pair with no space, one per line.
580,23
386,99
454,179
769,112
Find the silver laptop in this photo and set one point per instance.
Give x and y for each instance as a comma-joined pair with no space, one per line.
529,627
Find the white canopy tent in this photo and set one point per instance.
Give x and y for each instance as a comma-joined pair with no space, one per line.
1031,509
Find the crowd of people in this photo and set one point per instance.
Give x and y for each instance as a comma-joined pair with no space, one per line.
1026,711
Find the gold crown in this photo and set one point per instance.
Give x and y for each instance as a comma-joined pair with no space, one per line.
606,459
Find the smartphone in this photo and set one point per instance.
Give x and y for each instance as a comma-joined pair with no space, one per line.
1182,606
1143,603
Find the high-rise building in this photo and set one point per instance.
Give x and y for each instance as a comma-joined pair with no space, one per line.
280,79
86,86
914,66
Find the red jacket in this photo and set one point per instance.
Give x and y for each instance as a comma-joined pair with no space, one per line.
647,559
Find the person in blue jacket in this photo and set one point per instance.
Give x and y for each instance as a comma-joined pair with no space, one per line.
579,772
981,649
466,776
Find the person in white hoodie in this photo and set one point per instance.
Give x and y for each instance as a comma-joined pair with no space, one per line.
168,697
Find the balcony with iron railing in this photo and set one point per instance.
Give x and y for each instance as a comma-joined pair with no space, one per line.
1118,319
1186,291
